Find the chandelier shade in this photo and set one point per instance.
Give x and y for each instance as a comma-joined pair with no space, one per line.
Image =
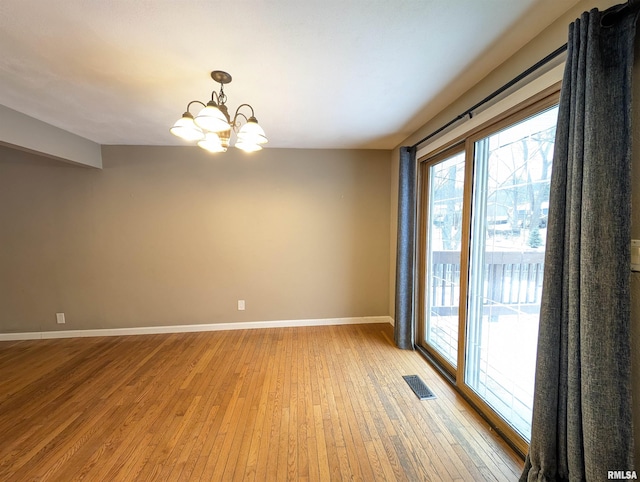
248,147
212,126
186,129
251,132
212,119
212,143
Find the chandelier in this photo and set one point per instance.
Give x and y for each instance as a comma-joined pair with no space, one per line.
212,127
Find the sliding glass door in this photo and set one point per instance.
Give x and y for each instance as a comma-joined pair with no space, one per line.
444,188
483,229
508,231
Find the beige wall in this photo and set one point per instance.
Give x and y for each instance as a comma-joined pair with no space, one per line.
174,235
550,39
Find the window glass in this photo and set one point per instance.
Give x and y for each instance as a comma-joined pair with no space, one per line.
444,234
512,171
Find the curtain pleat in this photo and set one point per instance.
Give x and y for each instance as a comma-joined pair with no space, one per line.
582,418
405,255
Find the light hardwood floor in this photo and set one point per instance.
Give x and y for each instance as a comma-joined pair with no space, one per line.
303,404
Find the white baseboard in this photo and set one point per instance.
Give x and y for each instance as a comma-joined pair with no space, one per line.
154,330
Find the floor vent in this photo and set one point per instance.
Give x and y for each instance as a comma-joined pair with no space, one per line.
418,387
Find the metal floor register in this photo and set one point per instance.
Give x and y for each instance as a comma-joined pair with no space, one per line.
419,388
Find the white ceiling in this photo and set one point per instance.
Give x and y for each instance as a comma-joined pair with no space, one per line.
319,73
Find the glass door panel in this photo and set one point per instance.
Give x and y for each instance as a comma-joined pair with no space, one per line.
443,240
512,170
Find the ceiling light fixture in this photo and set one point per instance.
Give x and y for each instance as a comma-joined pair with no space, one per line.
212,127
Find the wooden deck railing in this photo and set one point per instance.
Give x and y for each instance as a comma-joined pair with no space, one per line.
510,278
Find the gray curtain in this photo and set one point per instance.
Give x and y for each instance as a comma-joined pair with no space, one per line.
405,254
582,416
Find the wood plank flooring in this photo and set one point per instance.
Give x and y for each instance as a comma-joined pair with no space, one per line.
303,404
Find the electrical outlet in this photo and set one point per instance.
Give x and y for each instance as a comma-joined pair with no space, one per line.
240,305
60,318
